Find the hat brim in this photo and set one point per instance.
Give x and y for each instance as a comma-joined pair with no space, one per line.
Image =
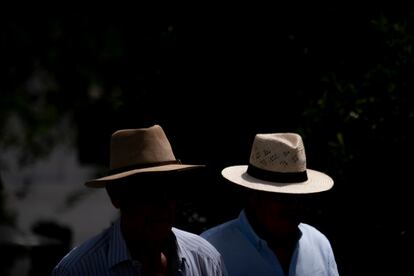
101,182
317,182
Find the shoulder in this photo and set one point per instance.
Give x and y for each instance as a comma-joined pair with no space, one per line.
310,230
88,252
317,247
194,242
195,245
313,236
219,231
199,254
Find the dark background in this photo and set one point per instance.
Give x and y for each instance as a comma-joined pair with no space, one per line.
342,77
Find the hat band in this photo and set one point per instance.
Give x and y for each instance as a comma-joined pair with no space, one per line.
281,177
142,166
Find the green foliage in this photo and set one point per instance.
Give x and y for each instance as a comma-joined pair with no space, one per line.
66,67
342,77
366,100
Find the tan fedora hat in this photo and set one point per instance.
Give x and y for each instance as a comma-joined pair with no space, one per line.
143,150
278,164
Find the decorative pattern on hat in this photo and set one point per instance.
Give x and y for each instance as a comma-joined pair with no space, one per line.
279,154
277,164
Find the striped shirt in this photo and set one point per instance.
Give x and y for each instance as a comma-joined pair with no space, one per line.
107,254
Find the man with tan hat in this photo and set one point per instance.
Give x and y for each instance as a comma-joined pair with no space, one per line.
268,237
143,183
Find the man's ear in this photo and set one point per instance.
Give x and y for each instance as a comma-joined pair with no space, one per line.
113,194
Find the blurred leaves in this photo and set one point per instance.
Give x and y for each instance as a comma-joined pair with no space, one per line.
99,73
340,76
62,67
367,99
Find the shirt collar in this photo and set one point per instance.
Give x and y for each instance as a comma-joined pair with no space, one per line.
248,231
118,250
179,258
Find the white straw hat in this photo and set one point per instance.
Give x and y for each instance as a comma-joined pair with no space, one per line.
143,150
278,164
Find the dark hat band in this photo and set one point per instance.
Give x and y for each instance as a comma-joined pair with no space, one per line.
281,177
142,166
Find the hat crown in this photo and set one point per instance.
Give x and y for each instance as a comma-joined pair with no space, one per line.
278,152
140,147
138,151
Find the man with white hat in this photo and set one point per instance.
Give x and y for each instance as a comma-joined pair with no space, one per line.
144,183
268,237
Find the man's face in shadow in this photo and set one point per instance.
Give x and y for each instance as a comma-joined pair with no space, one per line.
276,214
147,203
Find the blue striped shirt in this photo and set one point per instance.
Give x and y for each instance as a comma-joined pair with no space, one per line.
107,254
246,254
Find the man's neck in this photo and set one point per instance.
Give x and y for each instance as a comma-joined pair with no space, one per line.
283,245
